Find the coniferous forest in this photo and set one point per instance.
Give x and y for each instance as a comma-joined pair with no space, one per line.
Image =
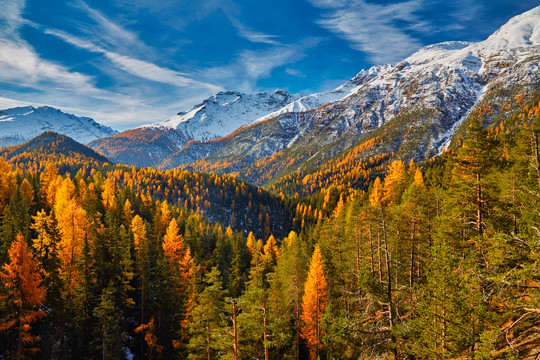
431,260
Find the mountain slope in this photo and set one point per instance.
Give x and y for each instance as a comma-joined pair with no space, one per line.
50,147
426,97
140,147
18,125
215,117
224,112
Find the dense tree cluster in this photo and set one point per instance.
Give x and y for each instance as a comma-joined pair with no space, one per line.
438,260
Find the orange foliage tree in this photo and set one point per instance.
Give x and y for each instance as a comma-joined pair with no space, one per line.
182,270
22,277
313,305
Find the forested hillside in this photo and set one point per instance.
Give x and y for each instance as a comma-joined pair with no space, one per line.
434,260
219,198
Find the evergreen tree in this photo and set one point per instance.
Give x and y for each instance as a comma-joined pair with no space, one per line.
208,329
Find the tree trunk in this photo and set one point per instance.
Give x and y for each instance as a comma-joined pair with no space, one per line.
372,266
265,334
142,316
536,159
379,250
208,339
479,210
297,313
411,269
389,285
235,329
19,340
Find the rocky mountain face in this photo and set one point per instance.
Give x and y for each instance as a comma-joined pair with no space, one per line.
18,125
420,102
217,116
142,147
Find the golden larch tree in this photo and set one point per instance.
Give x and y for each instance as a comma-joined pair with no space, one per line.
314,304
177,252
22,277
271,253
181,268
73,225
395,182
27,192
7,183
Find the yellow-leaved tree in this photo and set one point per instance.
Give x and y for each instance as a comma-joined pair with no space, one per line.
314,304
73,226
182,272
22,277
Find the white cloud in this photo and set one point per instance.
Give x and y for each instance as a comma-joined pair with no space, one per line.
49,83
252,35
259,64
136,67
21,65
371,28
295,72
11,15
249,66
108,34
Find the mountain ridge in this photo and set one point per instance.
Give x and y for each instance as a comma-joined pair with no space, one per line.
450,79
20,124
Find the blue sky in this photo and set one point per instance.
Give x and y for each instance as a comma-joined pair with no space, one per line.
130,62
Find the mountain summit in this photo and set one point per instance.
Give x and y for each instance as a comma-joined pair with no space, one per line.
224,112
418,105
20,124
217,116
425,98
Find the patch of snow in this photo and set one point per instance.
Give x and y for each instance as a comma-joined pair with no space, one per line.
447,137
224,112
24,123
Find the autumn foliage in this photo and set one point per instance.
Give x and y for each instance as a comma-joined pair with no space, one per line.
314,304
22,277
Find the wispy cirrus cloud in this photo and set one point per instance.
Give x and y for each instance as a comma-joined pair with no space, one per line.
253,35
107,33
19,62
371,28
27,78
250,66
135,67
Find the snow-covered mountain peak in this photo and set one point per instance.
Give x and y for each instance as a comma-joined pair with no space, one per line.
520,31
23,110
20,124
224,112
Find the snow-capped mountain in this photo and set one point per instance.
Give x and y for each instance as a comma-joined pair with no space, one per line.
18,125
429,93
217,116
224,112
313,101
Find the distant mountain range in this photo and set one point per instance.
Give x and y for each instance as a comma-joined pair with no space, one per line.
416,106
18,125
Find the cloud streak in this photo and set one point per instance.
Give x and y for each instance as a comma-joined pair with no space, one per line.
19,62
252,35
389,32
372,29
135,67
